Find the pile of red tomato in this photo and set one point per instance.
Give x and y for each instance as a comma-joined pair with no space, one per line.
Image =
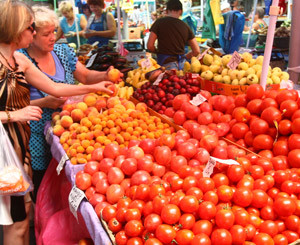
154,192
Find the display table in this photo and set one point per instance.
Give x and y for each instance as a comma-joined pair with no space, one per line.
87,218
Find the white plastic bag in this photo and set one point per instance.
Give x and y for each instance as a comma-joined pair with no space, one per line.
14,181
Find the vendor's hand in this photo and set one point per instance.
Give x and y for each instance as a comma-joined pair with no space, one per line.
103,87
27,113
89,33
70,34
54,102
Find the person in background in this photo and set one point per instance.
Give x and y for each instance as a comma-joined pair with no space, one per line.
172,35
135,16
17,29
258,23
153,17
101,25
64,68
86,11
225,7
67,26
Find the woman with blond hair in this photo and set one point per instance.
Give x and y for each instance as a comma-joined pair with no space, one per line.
64,68
17,29
69,24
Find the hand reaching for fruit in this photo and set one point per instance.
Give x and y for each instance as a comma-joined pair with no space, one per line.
105,87
114,75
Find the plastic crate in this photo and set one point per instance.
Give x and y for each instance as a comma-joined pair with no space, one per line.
252,42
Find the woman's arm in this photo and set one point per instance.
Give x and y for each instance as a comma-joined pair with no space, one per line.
111,26
83,24
195,48
151,41
48,102
59,34
87,76
25,114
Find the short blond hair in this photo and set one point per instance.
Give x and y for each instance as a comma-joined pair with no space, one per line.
65,6
15,17
44,16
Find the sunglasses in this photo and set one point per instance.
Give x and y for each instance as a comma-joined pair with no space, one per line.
31,27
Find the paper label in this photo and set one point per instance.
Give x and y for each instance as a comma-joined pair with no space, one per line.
146,63
91,60
198,100
234,61
61,163
202,54
49,134
227,161
89,53
75,197
158,79
289,85
209,168
195,75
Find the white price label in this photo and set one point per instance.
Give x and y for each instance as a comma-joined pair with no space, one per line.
75,197
202,54
91,60
227,161
146,63
198,100
61,163
89,53
209,168
49,134
159,78
234,61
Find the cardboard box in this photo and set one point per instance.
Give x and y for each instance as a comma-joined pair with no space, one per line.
134,33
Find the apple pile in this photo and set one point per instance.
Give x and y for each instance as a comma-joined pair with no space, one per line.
159,97
155,192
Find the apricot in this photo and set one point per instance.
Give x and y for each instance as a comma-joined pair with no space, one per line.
90,99
66,121
77,115
58,130
82,106
114,75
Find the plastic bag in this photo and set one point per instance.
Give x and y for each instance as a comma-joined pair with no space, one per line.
14,181
209,29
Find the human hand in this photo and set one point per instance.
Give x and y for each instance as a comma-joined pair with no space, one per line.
103,87
27,113
54,102
70,34
89,33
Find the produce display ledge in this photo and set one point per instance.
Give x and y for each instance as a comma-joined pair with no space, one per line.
92,222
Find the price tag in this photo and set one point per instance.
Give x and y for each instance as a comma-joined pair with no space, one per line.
234,61
209,168
49,134
227,161
198,100
61,163
91,60
195,75
146,63
89,53
159,78
75,197
204,53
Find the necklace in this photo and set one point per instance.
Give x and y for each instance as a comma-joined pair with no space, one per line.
16,66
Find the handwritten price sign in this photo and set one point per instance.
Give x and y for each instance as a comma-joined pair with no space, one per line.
75,197
235,60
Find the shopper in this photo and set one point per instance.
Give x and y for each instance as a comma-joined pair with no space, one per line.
258,23
63,69
101,25
70,23
86,11
17,29
172,35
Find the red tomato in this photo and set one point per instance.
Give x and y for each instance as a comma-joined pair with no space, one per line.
221,236
241,114
294,158
296,126
240,100
152,241
91,167
89,192
254,106
238,234
243,197
209,142
187,221
135,241
206,184
224,219
285,95
196,192
152,221
165,233
235,173
292,223
114,225
225,193
207,210
105,164
145,163
186,149
259,126
201,239
220,179
170,214
203,226
140,177
250,231
294,141
211,196
269,227
268,102
241,217
98,176
114,193
263,239
109,212
111,150
162,155
284,206
291,236
255,91
96,198
239,130
270,115
280,239
121,238
260,199
184,237
134,228
288,107
189,204
83,180
115,175
263,142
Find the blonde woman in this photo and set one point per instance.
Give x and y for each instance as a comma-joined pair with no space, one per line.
67,25
17,29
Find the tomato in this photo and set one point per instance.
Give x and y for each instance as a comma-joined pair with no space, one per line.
132,214
279,163
152,221
89,192
250,232
114,225
291,236
177,162
246,182
238,234
184,237
263,239
265,163
260,198
159,202
254,91
205,118
280,239
91,167
243,196
268,213
259,126
294,158
99,207
241,114
111,150
285,95
263,141
165,233
156,190
241,217
152,241
189,182
239,130
162,155
189,204
220,179
201,239
294,142
254,106
207,210
170,214
268,102
83,180
114,193
240,100
145,163
211,196
186,149
187,221
284,206
224,193
96,198
135,241
105,164
221,236
285,127
121,238
224,219
98,176
140,177
269,227
270,115
115,175
202,226
109,212
134,228
209,142
206,184
292,223
235,172
288,107
296,126
196,192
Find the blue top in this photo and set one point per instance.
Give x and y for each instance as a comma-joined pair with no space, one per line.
65,63
67,28
98,25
